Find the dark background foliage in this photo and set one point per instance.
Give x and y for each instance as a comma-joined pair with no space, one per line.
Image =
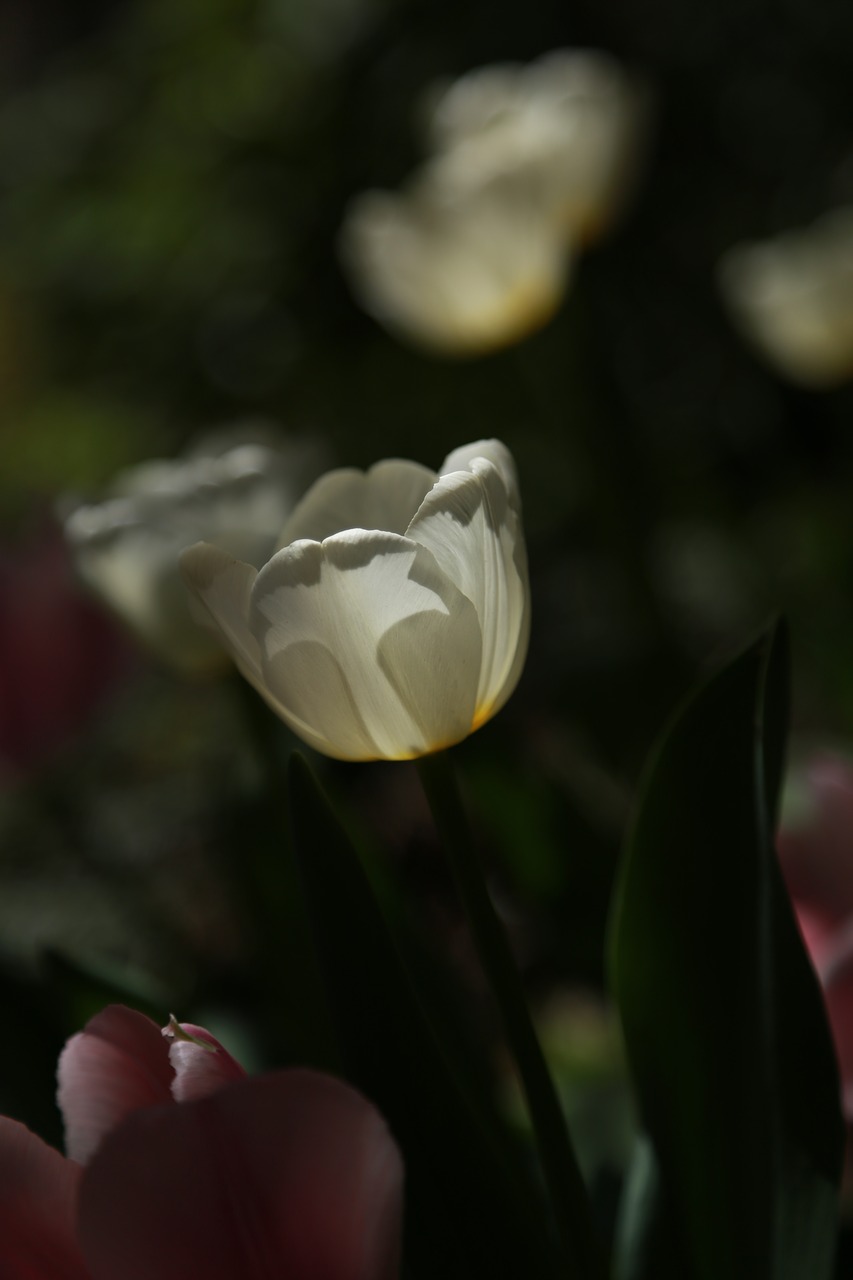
173,174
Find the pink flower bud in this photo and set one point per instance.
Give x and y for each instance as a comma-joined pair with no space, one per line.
200,1063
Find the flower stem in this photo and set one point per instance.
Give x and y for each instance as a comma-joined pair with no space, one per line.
569,1200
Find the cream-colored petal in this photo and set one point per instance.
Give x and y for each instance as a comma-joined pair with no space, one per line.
472,527
385,497
368,648
223,585
572,123
793,298
238,500
133,568
127,548
602,115
481,99
494,451
461,269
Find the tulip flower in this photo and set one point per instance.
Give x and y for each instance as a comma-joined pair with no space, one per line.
530,163
792,297
570,126
460,270
395,619
292,1173
816,853
121,1062
127,547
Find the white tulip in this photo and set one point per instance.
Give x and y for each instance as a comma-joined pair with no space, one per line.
571,126
462,270
127,547
529,164
395,620
793,298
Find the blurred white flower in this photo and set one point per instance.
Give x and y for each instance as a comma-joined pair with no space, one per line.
793,298
571,126
530,163
127,547
395,620
460,270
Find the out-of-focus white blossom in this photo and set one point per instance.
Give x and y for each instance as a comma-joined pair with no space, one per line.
127,546
570,126
529,164
793,298
462,270
395,620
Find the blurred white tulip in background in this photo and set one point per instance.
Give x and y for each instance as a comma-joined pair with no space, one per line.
529,164
792,297
126,547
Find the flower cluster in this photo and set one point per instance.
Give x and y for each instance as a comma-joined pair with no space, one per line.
290,1173
392,620
529,164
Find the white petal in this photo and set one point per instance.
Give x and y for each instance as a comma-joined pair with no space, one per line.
480,99
573,124
493,450
385,497
462,271
473,528
223,586
368,648
134,570
127,548
793,297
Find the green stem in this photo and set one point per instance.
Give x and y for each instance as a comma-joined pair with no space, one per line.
570,1203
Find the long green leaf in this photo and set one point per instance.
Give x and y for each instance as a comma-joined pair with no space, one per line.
724,1025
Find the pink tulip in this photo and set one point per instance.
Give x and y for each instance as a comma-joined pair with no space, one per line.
816,854
289,1174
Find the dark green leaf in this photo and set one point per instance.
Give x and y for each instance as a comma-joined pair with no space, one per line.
724,1025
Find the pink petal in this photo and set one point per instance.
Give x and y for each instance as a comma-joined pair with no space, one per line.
817,853
118,1063
38,1197
837,978
818,930
200,1063
292,1175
